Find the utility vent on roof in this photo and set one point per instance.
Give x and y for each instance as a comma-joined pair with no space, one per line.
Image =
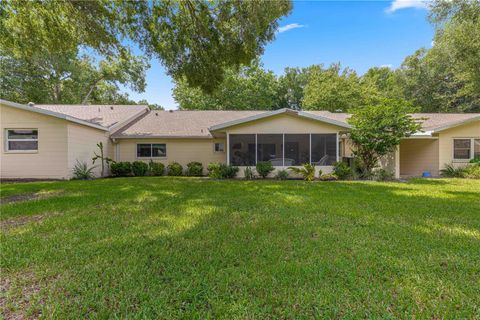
31,104
98,109
111,107
171,111
156,113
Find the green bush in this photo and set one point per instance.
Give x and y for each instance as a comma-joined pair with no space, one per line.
174,169
472,171
307,171
248,173
81,171
281,175
450,171
139,168
221,171
264,168
383,175
328,177
156,168
194,169
475,160
342,170
121,169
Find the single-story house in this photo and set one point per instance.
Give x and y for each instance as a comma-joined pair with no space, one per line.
45,141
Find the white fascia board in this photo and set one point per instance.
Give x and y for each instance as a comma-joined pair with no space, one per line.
324,119
456,124
248,119
52,114
117,126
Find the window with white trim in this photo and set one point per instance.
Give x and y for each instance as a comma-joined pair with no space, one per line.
22,140
219,147
466,148
151,150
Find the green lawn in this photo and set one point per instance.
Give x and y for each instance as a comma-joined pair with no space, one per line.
196,248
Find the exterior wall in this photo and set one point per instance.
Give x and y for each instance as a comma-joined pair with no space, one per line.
284,124
50,161
82,143
469,130
419,155
182,151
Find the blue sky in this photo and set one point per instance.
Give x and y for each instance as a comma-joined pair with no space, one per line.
358,34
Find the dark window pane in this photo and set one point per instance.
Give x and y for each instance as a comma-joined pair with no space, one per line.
476,150
269,148
324,149
144,150
22,134
219,147
23,145
297,149
242,149
159,150
461,148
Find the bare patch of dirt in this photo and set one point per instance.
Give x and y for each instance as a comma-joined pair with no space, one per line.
20,297
19,221
30,196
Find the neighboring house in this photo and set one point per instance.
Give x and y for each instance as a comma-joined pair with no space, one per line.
45,141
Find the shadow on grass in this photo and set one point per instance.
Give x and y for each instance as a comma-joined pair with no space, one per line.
160,247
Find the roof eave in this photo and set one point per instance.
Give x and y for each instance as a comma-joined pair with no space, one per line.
51,114
455,124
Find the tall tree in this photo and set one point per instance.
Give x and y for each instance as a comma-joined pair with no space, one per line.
196,40
291,87
334,89
250,88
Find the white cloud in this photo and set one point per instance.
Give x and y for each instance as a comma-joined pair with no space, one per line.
403,4
390,66
290,27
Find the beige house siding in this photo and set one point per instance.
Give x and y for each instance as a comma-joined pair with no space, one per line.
284,124
50,161
82,143
417,156
468,130
182,151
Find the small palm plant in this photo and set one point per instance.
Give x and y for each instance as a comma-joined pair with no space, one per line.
81,171
307,171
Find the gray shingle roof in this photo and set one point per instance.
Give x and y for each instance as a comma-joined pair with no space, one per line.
196,123
104,115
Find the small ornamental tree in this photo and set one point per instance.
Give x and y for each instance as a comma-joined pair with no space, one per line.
378,129
103,159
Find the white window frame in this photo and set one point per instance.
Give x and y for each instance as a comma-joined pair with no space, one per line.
215,147
472,148
7,140
151,151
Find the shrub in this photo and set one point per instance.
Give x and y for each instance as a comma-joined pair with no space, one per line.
194,169
248,173
475,160
472,171
264,168
156,168
342,170
307,171
121,169
174,169
328,177
281,175
450,171
383,175
139,168
81,171
221,171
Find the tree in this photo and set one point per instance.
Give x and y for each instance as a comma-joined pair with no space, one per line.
377,131
334,89
382,82
291,87
68,78
195,40
101,157
250,88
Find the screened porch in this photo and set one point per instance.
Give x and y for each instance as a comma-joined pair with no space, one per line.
283,150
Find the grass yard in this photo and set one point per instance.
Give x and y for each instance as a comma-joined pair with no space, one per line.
195,248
